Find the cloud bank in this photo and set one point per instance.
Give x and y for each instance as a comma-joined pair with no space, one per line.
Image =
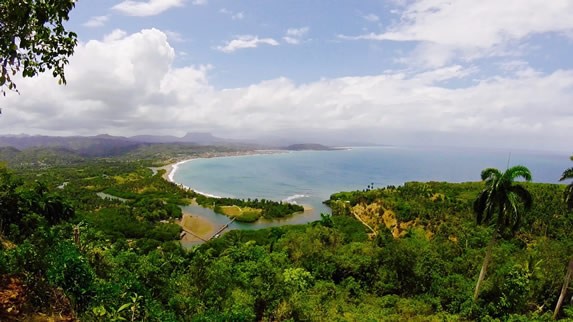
468,29
128,84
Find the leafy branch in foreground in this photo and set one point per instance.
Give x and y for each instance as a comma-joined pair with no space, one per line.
33,39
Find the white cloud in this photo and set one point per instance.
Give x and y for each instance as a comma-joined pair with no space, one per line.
149,8
246,41
234,15
128,84
371,17
294,36
96,21
116,34
473,29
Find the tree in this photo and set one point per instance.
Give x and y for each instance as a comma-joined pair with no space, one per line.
41,201
498,203
33,39
568,196
566,281
9,200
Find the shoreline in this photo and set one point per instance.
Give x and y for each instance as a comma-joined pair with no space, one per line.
196,228
173,167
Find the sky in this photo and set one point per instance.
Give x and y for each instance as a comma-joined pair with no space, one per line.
485,73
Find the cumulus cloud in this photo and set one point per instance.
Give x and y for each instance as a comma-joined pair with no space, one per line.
473,29
149,8
96,21
294,36
246,41
127,84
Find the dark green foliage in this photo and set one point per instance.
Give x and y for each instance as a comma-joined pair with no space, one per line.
270,209
127,264
352,229
501,197
505,201
9,200
70,270
34,39
568,194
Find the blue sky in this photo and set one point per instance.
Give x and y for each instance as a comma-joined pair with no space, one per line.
440,72
315,50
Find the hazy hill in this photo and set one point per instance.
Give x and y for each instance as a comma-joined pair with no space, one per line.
200,138
38,156
308,146
101,145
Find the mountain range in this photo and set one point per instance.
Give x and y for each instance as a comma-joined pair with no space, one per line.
104,144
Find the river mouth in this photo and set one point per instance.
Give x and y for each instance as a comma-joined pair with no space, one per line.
310,214
216,220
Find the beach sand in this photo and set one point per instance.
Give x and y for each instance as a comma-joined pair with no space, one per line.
197,229
168,168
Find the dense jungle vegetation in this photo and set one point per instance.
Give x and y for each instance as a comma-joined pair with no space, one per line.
412,252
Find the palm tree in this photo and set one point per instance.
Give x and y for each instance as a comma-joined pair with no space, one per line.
498,203
568,197
568,174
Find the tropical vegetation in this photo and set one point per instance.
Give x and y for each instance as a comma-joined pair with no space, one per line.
399,253
498,203
568,195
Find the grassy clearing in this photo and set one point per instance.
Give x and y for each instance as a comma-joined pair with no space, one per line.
245,214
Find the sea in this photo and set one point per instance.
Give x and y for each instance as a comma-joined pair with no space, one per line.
310,177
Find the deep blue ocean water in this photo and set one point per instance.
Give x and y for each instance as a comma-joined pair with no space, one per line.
310,177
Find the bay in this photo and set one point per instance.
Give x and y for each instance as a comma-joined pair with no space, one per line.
310,177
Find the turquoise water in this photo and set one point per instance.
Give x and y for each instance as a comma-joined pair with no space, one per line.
310,177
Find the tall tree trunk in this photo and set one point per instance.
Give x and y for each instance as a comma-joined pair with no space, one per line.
564,289
486,261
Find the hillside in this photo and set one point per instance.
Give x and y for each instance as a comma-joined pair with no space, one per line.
403,253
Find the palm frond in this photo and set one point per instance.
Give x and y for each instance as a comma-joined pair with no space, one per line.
567,174
523,194
490,173
517,172
516,224
501,198
479,206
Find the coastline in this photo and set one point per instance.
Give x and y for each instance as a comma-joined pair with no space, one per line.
172,168
196,228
